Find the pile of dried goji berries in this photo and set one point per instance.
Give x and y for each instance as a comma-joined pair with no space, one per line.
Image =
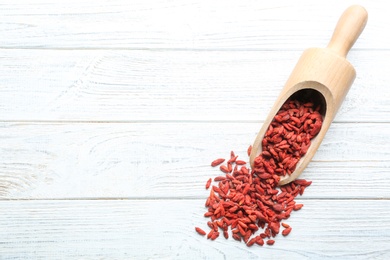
249,201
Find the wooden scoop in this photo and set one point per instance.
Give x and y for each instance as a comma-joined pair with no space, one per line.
326,76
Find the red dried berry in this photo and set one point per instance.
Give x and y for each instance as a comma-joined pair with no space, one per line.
200,231
270,242
248,199
208,183
217,162
286,231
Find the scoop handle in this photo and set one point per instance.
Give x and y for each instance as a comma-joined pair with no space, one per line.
348,29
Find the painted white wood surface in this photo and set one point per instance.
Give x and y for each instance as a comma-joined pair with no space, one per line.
112,85
165,160
190,24
110,113
164,229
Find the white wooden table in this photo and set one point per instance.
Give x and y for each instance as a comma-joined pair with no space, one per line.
111,112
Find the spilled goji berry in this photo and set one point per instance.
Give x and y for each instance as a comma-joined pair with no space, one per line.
208,183
200,231
217,162
286,231
248,200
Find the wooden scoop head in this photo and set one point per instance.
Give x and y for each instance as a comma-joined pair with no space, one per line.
324,74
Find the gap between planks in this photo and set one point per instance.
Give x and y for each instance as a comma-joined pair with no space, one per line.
179,199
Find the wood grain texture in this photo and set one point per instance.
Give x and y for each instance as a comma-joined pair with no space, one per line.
170,85
165,160
164,229
110,113
181,24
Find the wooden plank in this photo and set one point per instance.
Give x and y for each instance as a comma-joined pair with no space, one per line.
163,160
164,229
169,85
183,24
